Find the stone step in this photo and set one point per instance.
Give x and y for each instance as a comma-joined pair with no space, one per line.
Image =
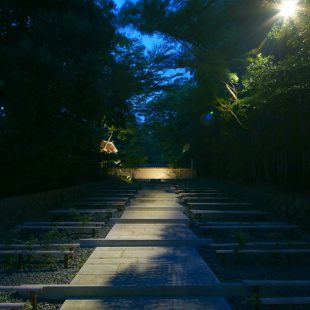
91,211
263,244
198,194
247,227
182,303
149,220
230,212
227,214
218,207
114,194
207,199
218,203
150,253
156,208
245,223
11,305
285,301
89,243
61,291
104,198
49,223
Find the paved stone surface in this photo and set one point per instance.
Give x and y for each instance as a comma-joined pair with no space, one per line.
210,303
155,208
152,266
150,214
151,231
148,266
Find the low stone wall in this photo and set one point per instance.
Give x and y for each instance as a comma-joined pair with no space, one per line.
287,206
154,173
14,210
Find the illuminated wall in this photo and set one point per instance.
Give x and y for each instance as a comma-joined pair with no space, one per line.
154,173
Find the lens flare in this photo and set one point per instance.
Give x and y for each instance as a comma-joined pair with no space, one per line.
288,8
207,118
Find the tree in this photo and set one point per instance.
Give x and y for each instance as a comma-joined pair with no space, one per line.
245,115
60,84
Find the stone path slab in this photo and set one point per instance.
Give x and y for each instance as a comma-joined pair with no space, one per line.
208,303
151,231
166,257
90,243
151,266
155,208
151,214
150,221
148,235
155,204
155,199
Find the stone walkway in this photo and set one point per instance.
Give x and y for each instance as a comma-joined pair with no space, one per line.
149,246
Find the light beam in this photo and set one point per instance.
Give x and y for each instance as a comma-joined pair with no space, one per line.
288,8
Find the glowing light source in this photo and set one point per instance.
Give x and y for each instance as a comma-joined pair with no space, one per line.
108,147
186,147
288,8
209,116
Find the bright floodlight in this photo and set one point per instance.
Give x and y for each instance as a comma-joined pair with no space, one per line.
288,8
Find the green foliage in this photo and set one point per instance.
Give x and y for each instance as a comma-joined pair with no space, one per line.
241,239
252,300
12,236
62,82
250,68
51,236
69,79
30,242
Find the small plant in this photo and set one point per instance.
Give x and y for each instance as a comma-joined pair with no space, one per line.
75,215
30,243
8,260
241,239
12,237
84,219
28,306
277,257
4,296
252,300
274,235
49,260
52,235
290,243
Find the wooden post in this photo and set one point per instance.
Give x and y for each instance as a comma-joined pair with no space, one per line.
192,167
34,300
66,261
256,293
21,261
223,259
288,259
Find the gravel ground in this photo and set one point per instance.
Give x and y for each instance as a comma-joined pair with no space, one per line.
52,271
45,271
257,267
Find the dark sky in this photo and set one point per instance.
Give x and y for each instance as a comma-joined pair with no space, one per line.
148,41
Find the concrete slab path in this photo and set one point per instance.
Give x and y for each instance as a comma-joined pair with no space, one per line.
148,266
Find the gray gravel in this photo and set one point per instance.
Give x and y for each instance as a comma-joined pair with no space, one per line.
255,267
45,271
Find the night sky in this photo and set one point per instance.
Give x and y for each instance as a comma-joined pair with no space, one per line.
149,41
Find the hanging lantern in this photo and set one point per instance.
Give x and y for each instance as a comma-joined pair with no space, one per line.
108,147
